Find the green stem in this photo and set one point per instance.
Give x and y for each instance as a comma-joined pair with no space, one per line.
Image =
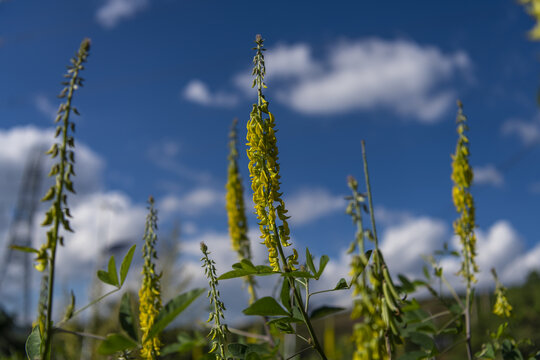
360,229
58,209
87,306
298,299
378,258
81,334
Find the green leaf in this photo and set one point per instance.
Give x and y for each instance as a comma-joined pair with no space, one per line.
286,319
284,327
252,356
309,262
325,311
425,341
285,294
259,270
113,275
173,308
487,352
265,306
247,265
426,272
406,285
126,318
342,284
26,249
237,350
126,263
105,277
115,343
33,344
322,264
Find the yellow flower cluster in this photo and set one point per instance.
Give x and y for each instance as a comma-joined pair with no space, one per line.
501,307
234,202
264,170
150,292
533,8
462,176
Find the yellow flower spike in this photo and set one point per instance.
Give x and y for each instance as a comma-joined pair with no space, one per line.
264,167
462,176
236,209
150,291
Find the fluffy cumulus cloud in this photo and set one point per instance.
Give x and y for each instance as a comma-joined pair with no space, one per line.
407,78
198,92
114,11
488,175
527,131
194,202
499,246
311,204
25,145
404,244
20,146
103,222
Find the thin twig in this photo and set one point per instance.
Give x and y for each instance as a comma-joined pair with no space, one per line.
81,334
299,352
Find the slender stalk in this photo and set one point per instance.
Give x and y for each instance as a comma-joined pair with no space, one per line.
299,302
249,334
81,334
64,170
370,202
377,259
298,353
58,325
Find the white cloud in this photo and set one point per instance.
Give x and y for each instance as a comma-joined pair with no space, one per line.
404,244
113,11
309,205
488,175
282,62
527,131
198,92
194,202
101,221
45,106
499,247
409,79
19,145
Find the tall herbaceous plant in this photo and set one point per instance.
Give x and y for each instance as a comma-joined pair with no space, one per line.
150,291
57,217
264,172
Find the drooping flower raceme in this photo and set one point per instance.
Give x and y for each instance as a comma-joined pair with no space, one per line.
502,306
150,292
264,170
462,176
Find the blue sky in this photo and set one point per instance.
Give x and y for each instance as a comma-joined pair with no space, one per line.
166,78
